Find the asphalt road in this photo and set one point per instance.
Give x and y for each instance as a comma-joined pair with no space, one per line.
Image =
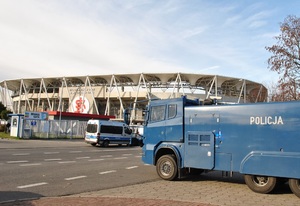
48,168
86,175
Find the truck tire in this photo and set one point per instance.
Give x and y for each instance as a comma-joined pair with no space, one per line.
260,184
295,186
166,167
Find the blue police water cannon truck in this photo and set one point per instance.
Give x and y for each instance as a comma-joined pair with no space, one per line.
261,141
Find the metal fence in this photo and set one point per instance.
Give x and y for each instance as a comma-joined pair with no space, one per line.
53,129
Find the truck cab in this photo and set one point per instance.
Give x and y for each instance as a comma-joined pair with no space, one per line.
164,123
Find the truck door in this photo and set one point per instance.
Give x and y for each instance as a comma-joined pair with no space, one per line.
199,150
156,125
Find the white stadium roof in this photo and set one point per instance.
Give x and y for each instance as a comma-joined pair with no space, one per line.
226,88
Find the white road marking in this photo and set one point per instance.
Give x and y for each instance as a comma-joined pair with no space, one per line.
107,172
47,153
32,185
15,162
138,156
75,178
126,154
66,162
114,150
80,158
94,160
21,154
106,156
58,159
32,164
75,151
120,158
133,167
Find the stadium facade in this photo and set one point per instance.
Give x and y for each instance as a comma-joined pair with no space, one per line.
110,94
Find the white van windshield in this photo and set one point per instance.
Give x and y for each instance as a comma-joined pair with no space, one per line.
91,128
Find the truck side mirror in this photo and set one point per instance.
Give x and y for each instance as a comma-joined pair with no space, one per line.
127,116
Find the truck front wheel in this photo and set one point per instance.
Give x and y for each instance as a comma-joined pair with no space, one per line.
166,167
295,186
260,184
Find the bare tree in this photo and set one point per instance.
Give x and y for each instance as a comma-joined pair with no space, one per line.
285,60
283,92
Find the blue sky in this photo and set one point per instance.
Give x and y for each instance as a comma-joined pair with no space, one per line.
40,38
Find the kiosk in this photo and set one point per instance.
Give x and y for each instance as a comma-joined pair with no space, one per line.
16,127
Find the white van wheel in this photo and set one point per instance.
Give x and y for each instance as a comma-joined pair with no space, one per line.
105,143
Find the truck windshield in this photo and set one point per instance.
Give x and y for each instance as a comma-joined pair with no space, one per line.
157,113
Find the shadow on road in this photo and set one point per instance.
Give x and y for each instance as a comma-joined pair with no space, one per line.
215,176
17,198
237,178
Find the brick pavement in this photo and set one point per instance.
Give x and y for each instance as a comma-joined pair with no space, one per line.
204,190
211,192
103,201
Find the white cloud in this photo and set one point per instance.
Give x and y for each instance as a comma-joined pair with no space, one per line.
72,37
68,44
193,32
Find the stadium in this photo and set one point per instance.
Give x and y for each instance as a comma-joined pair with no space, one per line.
111,94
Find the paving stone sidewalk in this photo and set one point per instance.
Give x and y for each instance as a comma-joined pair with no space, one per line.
103,201
207,190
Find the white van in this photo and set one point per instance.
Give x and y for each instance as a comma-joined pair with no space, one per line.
107,132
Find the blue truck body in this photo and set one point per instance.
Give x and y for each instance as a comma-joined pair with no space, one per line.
258,140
